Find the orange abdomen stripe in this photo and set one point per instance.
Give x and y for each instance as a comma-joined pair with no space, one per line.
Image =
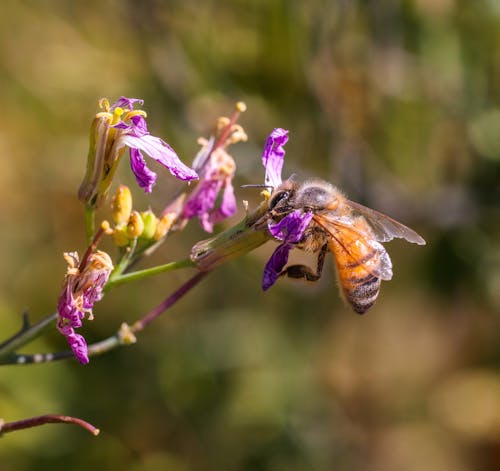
355,264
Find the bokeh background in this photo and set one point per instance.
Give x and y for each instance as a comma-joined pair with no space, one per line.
396,102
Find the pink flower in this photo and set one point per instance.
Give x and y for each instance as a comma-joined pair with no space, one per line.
216,169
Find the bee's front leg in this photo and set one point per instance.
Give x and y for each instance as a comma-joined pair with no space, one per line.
303,271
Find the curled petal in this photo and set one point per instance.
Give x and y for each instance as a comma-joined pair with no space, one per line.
79,347
145,177
273,156
124,102
160,151
138,128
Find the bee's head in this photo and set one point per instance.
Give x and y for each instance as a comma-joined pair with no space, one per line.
281,199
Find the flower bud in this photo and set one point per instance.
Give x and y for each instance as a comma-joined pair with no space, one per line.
120,236
122,205
150,223
164,225
135,225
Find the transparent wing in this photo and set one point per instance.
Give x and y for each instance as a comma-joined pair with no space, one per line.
354,245
384,227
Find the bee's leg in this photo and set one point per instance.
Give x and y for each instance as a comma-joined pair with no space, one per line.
303,271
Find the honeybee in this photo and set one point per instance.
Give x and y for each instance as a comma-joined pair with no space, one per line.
350,231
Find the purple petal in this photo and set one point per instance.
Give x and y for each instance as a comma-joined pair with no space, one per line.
202,199
226,209
145,177
160,151
79,347
291,227
228,204
275,265
76,341
138,128
124,102
273,156
290,230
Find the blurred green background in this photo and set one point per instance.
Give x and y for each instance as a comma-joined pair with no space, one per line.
396,102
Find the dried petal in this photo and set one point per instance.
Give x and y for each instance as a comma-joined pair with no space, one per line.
83,287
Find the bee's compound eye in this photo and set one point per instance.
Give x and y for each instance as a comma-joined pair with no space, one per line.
277,198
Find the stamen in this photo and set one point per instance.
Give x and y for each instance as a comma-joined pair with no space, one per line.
117,114
133,113
222,123
104,104
239,108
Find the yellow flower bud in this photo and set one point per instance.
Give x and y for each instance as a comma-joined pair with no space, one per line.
135,225
122,205
164,225
120,236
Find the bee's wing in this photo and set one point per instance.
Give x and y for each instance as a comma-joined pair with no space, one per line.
353,246
386,228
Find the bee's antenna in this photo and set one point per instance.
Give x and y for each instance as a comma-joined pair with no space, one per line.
257,185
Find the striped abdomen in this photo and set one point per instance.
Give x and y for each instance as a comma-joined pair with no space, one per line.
361,264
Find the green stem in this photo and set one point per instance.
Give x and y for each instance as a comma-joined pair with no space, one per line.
89,223
140,274
124,262
26,334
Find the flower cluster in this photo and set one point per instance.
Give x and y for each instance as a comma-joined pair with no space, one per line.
82,288
130,225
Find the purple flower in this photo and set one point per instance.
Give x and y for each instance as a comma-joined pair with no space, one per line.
117,127
81,290
291,227
216,171
289,230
